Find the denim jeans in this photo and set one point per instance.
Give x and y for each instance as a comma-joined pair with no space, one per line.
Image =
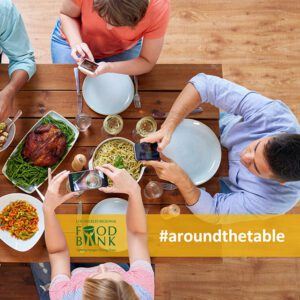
42,275
61,50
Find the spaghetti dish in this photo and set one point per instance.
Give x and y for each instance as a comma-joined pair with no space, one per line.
120,154
20,219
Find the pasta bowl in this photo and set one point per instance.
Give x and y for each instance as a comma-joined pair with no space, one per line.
110,149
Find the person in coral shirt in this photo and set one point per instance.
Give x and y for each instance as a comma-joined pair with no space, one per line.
123,36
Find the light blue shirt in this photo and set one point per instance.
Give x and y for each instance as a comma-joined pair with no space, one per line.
259,117
14,40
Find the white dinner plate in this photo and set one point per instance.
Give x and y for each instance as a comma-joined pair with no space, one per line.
13,242
113,206
196,149
109,93
110,206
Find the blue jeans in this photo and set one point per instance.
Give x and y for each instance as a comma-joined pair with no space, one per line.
61,50
42,275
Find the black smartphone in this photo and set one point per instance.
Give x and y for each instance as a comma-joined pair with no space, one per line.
88,66
87,180
146,151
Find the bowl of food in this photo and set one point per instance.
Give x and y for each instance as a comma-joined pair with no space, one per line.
45,146
21,221
6,137
118,152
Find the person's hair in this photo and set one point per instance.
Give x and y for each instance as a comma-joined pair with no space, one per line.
121,12
282,153
107,289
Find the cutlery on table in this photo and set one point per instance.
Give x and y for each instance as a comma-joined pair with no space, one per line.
162,115
79,96
136,98
39,193
16,117
79,208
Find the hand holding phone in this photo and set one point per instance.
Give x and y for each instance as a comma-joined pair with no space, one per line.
146,151
87,180
87,66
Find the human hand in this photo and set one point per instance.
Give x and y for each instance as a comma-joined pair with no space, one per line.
53,198
167,169
123,182
81,51
162,137
6,105
103,67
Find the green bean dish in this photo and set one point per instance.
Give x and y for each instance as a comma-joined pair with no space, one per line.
22,172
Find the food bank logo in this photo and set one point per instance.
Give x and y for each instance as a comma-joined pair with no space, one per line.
90,236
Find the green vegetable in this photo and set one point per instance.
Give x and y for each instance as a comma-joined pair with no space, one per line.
119,162
23,173
2,126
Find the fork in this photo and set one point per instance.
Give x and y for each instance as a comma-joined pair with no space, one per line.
136,98
168,186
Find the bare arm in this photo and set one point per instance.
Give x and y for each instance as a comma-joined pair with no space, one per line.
136,218
149,55
55,240
69,17
187,101
18,79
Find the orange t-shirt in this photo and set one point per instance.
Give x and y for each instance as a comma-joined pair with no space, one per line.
105,42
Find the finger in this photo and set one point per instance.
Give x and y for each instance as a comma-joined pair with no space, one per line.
105,171
80,51
108,189
75,56
163,144
70,196
153,163
49,176
87,50
152,138
164,158
110,167
58,179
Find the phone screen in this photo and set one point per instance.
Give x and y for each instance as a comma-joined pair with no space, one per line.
89,65
87,180
146,151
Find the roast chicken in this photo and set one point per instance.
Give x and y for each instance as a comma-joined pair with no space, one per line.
45,146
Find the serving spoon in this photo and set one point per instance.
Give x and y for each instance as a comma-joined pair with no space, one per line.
16,117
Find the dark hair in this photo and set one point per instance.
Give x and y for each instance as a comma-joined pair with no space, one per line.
121,12
283,156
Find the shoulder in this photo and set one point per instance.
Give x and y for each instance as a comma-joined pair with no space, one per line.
6,6
158,7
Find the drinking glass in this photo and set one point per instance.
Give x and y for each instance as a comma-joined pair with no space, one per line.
153,190
144,127
83,122
113,124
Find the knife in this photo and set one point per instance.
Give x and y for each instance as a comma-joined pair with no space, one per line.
79,96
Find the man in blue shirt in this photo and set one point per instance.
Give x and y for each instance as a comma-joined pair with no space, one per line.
263,141
15,44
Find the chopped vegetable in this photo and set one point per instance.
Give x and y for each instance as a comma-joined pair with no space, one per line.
20,219
119,162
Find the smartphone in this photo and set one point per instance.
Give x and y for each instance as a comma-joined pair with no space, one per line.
88,66
87,180
146,151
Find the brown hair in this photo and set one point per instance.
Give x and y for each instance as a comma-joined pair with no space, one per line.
121,12
108,289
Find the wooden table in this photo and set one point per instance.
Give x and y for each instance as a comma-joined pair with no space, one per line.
53,88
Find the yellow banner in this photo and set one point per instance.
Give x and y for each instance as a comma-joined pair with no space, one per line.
187,235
